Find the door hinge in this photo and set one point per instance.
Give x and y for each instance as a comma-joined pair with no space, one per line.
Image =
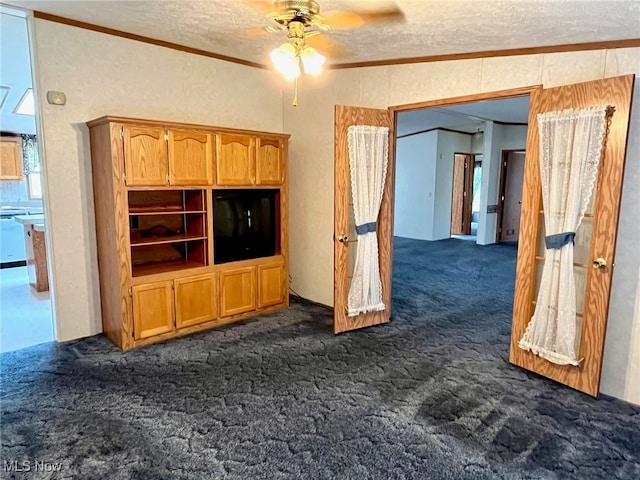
124,177
121,132
167,178
464,194
166,136
173,285
504,163
130,292
503,198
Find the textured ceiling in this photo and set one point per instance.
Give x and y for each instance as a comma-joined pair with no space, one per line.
466,117
432,27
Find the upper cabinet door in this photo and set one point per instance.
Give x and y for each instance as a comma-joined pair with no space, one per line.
11,155
235,156
190,158
269,164
145,156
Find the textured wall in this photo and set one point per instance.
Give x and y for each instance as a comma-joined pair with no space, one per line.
415,186
106,75
311,162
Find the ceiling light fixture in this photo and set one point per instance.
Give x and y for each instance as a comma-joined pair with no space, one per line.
26,105
288,56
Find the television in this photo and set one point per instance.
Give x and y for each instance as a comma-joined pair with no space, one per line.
244,224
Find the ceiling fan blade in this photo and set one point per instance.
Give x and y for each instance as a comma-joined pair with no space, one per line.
327,47
339,20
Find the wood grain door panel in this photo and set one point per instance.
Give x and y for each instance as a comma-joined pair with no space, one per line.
190,158
601,225
457,197
344,117
269,166
152,309
145,156
237,291
11,158
196,299
235,159
271,285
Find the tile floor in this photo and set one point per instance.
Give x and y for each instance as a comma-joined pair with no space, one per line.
25,315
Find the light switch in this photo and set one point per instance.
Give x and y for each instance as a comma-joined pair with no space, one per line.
56,98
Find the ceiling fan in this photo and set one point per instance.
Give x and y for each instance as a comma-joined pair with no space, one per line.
301,20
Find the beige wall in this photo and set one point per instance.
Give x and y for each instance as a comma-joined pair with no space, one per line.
105,75
311,161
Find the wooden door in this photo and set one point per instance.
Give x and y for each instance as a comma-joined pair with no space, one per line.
237,291
269,167
271,285
345,238
235,155
595,238
145,156
11,158
190,158
467,195
510,200
196,299
152,309
457,196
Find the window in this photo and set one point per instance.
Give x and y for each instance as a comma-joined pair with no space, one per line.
34,182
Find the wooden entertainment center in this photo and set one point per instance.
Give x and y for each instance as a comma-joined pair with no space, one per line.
155,187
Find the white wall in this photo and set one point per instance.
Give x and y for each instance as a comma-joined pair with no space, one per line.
311,154
449,143
107,75
415,185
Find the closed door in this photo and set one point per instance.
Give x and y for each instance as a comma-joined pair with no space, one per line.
594,240
271,285
269,168
145,156
235,159
152,309
195,299
345,238
190,158
237,291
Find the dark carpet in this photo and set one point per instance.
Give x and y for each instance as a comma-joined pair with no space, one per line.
430,395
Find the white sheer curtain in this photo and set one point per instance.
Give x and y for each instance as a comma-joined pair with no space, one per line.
368,156
570,148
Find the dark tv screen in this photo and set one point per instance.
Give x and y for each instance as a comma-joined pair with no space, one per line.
244,224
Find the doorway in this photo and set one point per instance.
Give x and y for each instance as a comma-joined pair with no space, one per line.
25,301
510,195
462,197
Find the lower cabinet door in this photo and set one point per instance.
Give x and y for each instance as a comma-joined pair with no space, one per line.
196,299
152,309
237,291
271,285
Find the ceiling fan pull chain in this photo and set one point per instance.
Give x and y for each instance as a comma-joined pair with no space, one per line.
295,93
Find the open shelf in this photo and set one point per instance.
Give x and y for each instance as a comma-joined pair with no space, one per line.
168,230
142,241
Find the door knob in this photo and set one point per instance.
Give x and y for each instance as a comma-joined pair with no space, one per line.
599,263
343,238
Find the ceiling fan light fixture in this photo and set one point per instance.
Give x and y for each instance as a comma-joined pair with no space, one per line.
312,61
285,60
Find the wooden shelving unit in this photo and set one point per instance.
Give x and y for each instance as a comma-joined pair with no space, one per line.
153,193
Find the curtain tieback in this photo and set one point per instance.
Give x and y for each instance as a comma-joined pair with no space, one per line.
366,228
559,240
